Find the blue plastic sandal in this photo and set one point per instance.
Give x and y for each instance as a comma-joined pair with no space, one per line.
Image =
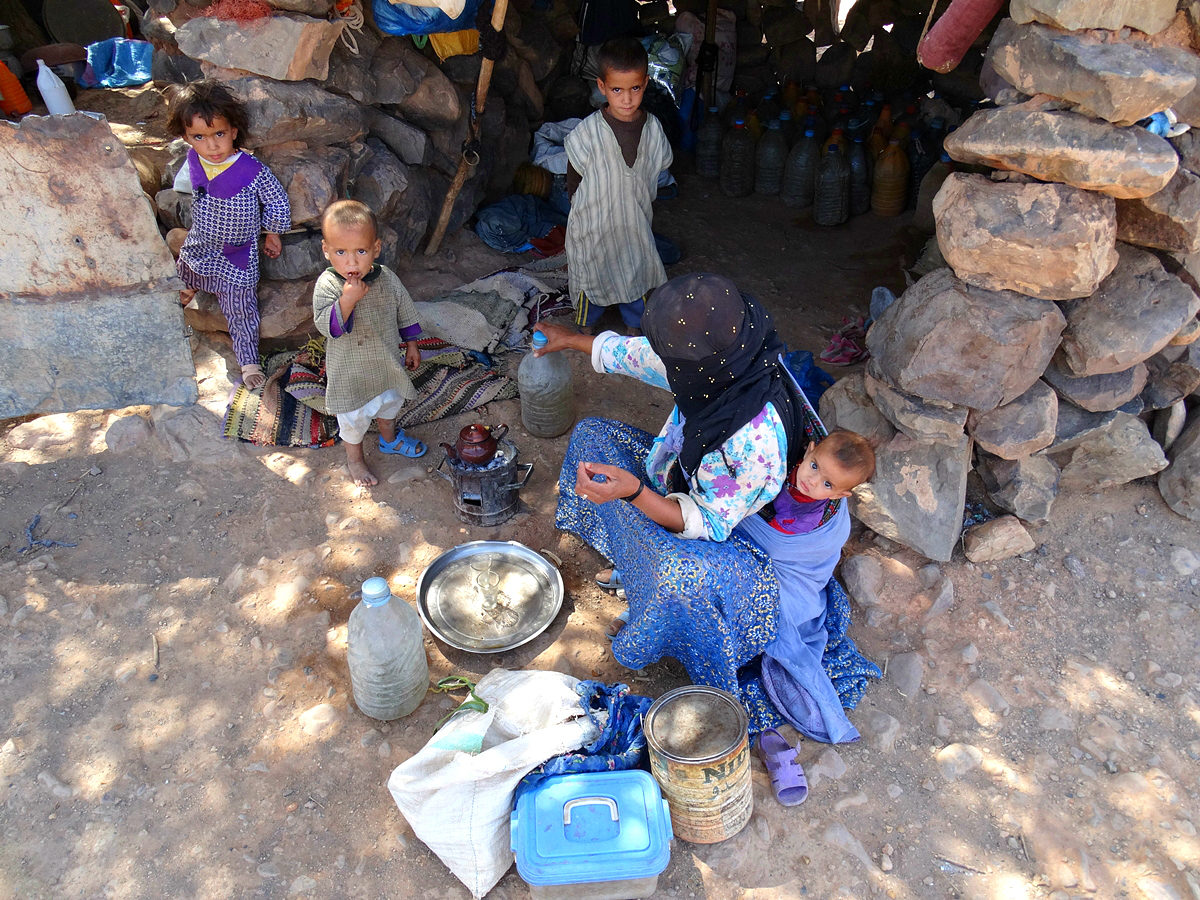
403,445
623,618
614,581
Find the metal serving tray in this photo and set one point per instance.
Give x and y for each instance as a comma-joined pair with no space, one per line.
489,596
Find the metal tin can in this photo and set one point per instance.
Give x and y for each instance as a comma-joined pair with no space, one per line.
699,745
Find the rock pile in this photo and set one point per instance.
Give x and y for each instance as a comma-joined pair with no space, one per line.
384,125
1055,351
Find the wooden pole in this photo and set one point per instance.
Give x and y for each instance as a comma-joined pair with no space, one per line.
468,160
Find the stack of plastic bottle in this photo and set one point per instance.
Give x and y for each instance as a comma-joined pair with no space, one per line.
737,161
708,145
831,193
800,172
769,159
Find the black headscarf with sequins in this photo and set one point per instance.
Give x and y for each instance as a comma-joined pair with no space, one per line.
721,353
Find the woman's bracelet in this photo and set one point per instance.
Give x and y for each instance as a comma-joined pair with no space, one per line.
635,494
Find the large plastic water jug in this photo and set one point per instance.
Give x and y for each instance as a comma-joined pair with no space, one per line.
768,164
860,178
890,182
547,397
708,145
389,674
831,193
737,161
799,172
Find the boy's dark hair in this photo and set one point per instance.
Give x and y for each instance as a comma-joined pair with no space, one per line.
623,54
207,99
853,453
350,213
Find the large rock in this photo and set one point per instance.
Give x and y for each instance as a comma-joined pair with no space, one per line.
1168,220
1000,538
301,259
1120,82
1025,487
1096,393
946,340
408,142
1180,483
532,40
285,308
1150,16
89,305
916,497
1134,314
382,182
1171,381
286,48
1050,241
1101,450
921,420
423,202
174,208
1068,147
846,405
1019,428
413,85
282,112
314,177
350,73
1187,145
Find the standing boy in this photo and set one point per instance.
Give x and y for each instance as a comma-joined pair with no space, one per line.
366,316
614,158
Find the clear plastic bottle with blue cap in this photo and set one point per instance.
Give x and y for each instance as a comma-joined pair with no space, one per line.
547,395
389,673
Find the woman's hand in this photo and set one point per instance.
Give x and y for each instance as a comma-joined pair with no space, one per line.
561,338
272,245
600,483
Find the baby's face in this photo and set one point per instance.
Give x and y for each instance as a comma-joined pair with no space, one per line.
351,249
213,142
821,477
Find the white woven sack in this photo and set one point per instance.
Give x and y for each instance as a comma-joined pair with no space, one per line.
457,791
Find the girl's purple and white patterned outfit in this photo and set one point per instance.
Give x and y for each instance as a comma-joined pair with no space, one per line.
220,254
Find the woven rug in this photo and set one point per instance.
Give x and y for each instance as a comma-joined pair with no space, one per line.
273,417
289,411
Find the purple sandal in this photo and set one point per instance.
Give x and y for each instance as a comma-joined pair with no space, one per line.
787,775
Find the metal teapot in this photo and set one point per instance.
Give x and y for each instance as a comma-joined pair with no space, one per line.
476,444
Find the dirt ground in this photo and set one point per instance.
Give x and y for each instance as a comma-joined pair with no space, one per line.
175,717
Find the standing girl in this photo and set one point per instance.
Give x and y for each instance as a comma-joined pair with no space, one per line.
236,199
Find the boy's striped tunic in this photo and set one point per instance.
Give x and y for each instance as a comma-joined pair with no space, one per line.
611,255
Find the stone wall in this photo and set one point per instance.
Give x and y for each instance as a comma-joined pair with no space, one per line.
384,125
1055,351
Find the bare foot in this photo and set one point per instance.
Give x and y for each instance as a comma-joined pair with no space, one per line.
253,377
357,465
186,296
362,476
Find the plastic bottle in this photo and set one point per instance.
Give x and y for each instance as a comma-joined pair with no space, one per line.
889,185
547,396
770,156
737,161
876,144
708,145
831,192
884,122
788,126
13,99
754,125
799,172
838,137
930,185
389,674
53,91
860,178
768,106
738,107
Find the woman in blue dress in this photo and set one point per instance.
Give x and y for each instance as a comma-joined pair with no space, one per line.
675,512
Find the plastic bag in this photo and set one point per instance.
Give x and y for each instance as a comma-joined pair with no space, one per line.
117,62
668,61
457,791
406,18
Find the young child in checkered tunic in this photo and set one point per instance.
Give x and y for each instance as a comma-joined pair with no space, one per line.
365,313
236,199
